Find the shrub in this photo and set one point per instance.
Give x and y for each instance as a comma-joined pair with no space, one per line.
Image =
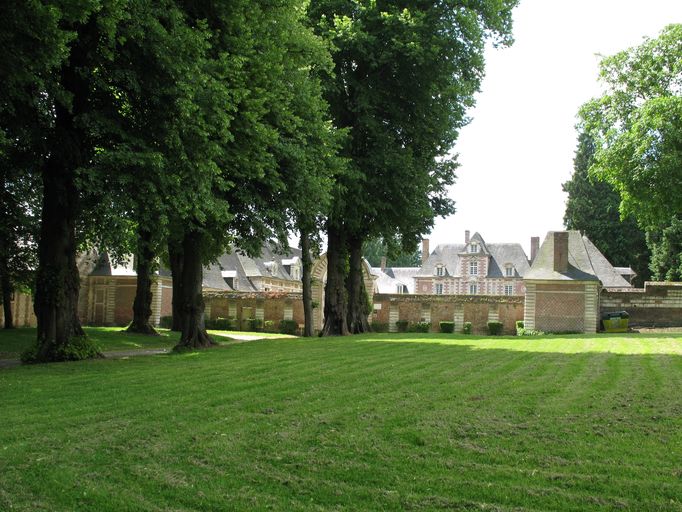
447,327
420,327
269,326
379,327
166,322
288,327
532,332
255,324
220,324
519,328
494,328
467,328
77,349
402,325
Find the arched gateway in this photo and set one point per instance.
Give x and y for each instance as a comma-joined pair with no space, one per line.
319,278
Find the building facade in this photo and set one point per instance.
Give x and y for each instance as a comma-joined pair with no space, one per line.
474,268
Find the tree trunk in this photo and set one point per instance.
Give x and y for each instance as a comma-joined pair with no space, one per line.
175,258
6,286
57,281
142,305
335,308
194,333
307,264
358,300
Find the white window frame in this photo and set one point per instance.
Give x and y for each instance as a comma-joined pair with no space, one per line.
474,248
473,289
509,270
473,268
439,288
509,289
440,270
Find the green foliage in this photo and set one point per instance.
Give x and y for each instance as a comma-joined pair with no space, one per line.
467,328
592,207
636,128
254,324
269,326
495,328
420,327
288,327
519,327
447,327
77,349
379,327
402,325
373,250
666,251
221,324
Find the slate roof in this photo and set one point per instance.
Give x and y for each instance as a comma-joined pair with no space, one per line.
501,255
247,268
585,263
387,280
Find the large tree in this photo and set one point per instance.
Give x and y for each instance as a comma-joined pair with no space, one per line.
637,128
405,73
593,207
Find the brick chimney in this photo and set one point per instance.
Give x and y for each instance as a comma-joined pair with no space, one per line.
561,251
383,263
534,248
466,236
425,250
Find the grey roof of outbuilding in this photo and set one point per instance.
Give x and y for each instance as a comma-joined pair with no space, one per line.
501,255
246,268
585,263
388,279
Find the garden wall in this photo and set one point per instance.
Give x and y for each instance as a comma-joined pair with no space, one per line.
263,306
477,309
658,304
22,311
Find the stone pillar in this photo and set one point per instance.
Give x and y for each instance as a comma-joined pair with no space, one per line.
529,307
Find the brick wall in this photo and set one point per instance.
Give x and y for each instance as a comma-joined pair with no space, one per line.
655,305
477,309
22,311
241,305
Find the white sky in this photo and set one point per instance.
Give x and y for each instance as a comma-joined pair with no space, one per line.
519,147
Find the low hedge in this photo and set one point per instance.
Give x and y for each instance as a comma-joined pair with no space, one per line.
447,327
402,325
466,329
288,327
420,327
495,328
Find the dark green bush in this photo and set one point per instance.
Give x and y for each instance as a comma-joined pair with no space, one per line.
402,325
288,327
379,327
269,326
166,322
467,328
420,327
494,328
220,324
447,327
254,324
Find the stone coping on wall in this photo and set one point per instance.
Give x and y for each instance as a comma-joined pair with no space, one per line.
449,299
253,295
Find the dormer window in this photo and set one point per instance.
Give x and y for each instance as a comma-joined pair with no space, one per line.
474,248
509,270
473,268
440,270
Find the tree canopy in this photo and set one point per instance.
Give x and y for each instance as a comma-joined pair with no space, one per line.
593,207
637,129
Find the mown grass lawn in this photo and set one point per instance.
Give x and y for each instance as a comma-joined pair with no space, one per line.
13,342
378,422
